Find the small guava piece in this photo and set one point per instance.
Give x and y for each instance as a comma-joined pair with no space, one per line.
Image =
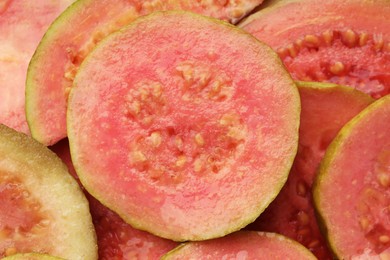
72,37
42,208
194,135
351,192
22,25
31,256
325,109
242,245
344,42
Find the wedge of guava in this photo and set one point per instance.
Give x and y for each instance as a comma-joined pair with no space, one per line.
22,25
75,33
344,42
325,109
187,129
42,208
351,191
243,245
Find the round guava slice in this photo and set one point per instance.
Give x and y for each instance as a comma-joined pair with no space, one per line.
31,256
115,238
351,191
42,208
22,25
243,245
325,109
187,129
75,33
344,42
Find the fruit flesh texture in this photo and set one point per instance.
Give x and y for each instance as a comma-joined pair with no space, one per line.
116,239
30,220
351,191
346,42
63,49
22,25
185,135
325,110
243,245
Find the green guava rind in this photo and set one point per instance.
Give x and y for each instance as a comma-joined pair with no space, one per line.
63,43
144,217
31,256
246,244
371,121
47,179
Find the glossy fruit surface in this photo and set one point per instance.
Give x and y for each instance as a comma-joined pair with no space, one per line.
179,131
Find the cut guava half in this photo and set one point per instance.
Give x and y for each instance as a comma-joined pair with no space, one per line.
243,245
325,109
75,33
187,129
344,42
22,25
42,208
351,191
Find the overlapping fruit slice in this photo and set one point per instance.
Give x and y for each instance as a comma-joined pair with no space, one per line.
22,25
345,42
42,208
351,192
325,110
243,245
186,128
75,33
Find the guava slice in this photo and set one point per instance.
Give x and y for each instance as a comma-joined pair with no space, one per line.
31,256
75,33
351,191
344,42
325,109
116,239
242,245
192,135
42,209
22,25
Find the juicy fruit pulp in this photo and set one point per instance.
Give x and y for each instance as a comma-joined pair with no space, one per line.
325,110
345,42
242,245
22,25
39,200
175,135
363,180
63,49
115,238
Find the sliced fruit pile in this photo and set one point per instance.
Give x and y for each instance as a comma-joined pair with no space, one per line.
175,134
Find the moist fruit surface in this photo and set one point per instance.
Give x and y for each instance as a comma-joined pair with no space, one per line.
185,144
